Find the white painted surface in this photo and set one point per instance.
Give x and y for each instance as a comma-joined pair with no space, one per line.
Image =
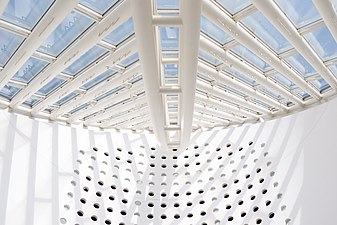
37,162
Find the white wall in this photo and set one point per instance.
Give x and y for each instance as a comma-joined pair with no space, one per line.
38,159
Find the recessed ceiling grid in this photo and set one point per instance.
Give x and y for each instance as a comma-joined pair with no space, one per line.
92,63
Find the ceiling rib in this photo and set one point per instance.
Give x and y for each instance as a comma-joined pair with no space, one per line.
189,47
126,49
328,13
148,55
89,39
59,10
217,16
107,113
229,59
274,14
122,115
171,21
106,102
220,114
94,92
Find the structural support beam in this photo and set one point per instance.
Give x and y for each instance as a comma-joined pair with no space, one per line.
97,32
171,21
58,11
126,49
220,114
328,13
189,47
274,14
145,35
217,16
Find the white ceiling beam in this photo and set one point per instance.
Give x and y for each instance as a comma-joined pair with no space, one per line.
148,55
171,21
122,115
135,123
229,59
170,89
97,32
328,13
203,108
58,11
275,15
220,77
96,91
212,103
123,51
23,32
189,47
217,16
216,120
109,112
211,90
106,102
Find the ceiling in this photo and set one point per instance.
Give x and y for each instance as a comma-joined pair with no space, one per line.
169,67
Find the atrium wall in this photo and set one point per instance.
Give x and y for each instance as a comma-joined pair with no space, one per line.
276,172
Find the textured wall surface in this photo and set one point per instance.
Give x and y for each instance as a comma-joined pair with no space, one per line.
277,172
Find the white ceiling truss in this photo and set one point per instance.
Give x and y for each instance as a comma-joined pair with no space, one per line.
168,67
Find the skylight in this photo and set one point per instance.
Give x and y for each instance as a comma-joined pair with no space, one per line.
29,70
98,6
9,42
120,33
234,6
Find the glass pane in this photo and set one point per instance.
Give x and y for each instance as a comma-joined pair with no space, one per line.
25,13
52,85
271,93
234,6
170,70
70,28
322,42
164,4
120,33
249,56
98,6
29,70
9,91
112,91
213,31
333,69
31,101
303,95
66,98
301,65
208,58
169,38
300,12
233,90
130,60
260,26
240,76
284,81
9,42
98,79
86,59
79,108
320,84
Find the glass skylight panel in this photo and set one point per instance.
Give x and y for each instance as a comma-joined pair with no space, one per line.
233,90
31,101
300,12
260,26
333,69
9,91
120,33
136,79
9,42
320,84
86,59
130,60
284,81
25,13
240,76
250,57
98,6
168,5
303,95
213,31
271,93
51,86
65,33
112,91
171,70
208,58
79,108
301,65
322,42
234,6
29,70
98,79
66,98
169,38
